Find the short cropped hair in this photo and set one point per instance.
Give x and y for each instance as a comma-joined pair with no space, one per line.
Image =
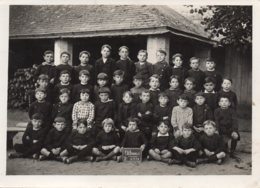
64,90
143,51
156,76
175,77
177,55
209,122
138,77
44,77
162,51
224,97
102,76
187,126
210,80
86,90
106,46
133,119
118,73
194,58
37,116
65,72
59,119
229,79
129,93
191,79
163,94
145,91
210,59
183,97
84,52
104,90
165,123
48,52
40,90
108,121
65,53
82,121
84,72
123,47
200,94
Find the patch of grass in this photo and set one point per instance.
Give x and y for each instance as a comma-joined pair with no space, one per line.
16,116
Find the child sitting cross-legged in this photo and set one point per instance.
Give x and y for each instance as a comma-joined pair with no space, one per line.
32,139
133,138
213,146
55,140
80,144
160,143
107,145
185,148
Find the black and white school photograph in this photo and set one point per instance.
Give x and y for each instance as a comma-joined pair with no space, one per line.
129,89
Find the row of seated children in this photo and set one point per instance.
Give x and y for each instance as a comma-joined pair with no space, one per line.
82,145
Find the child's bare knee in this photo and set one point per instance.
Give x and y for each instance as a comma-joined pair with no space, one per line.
116,149
221,155
95,151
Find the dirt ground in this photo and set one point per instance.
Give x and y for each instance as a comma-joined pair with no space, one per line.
34,167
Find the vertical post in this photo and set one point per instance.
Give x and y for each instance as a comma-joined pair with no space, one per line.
156,42
60,46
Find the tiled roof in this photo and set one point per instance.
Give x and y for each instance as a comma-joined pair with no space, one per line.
53,21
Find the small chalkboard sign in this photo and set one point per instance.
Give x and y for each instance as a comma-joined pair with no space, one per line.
132,154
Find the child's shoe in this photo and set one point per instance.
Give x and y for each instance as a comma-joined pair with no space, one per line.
114,158
119,159
98,159
190,164
174,161
14,155
219,161
71,159
42,157
202,160
148,158
35,156
89,158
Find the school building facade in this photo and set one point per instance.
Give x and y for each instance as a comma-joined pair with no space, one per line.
73,28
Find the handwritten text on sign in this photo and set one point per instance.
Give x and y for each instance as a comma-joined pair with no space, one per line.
132,154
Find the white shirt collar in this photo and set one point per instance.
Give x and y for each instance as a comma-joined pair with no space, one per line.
104,60
159,134
209,92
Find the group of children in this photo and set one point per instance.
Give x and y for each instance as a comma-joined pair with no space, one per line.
88,112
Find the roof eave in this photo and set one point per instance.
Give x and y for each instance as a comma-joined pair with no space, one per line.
111,33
